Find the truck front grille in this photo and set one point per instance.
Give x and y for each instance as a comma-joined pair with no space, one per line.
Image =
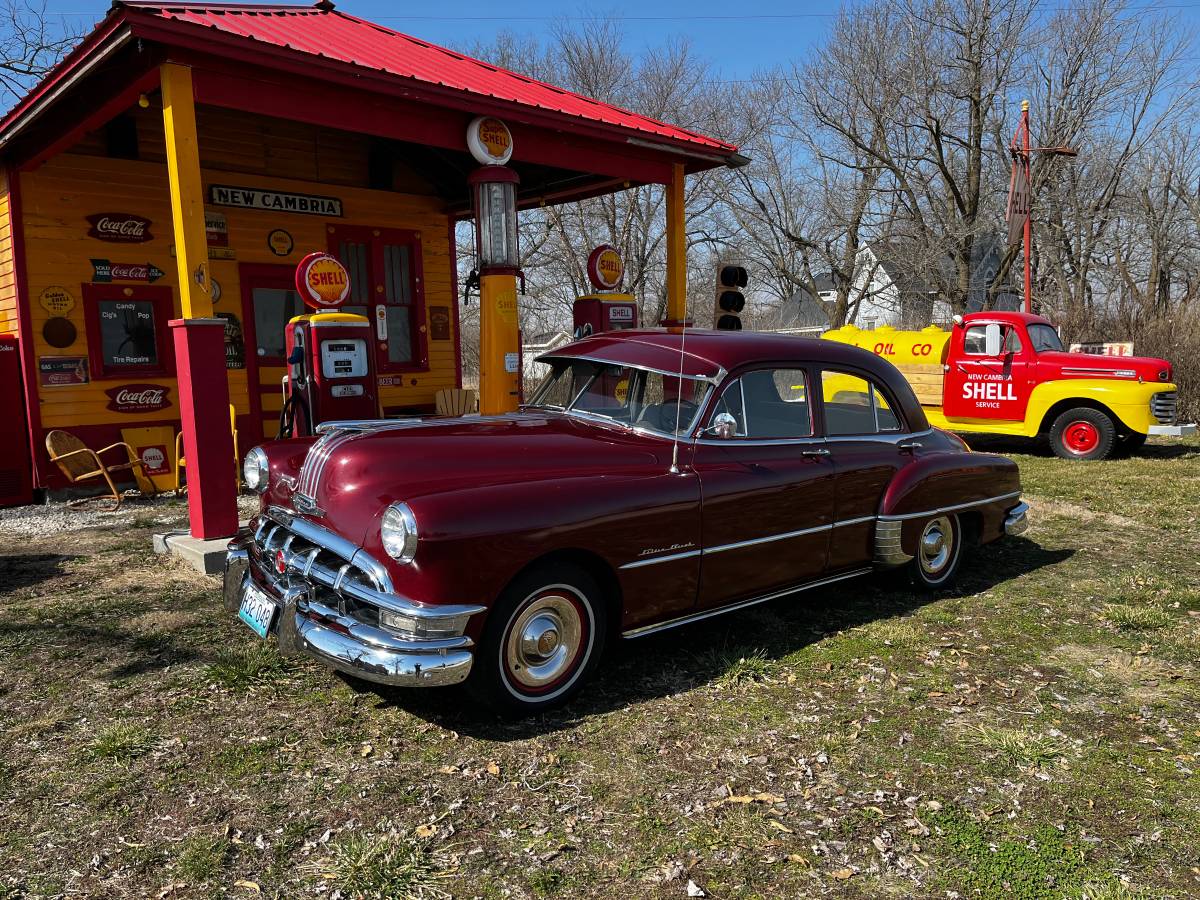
1163,406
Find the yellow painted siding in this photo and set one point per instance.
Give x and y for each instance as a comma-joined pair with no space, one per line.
237,150
8,275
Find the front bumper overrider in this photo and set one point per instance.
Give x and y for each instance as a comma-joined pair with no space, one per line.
311,622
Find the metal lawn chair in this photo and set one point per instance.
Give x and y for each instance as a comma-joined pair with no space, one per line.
78,462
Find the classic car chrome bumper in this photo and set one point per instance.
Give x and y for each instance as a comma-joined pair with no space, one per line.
1172,430
1017,520
312,620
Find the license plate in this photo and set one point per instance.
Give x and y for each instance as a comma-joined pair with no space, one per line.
257,610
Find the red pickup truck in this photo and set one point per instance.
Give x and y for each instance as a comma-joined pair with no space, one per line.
1007,373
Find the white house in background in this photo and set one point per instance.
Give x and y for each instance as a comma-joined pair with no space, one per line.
533,347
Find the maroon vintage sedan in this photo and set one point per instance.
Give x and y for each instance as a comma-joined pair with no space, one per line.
655,479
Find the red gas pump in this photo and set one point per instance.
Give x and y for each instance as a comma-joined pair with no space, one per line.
16,483
597,313
331,372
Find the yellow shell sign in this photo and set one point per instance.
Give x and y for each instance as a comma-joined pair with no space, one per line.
489,141
605,267
56,300
322,281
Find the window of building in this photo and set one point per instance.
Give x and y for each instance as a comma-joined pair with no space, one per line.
854,405
386,287
273,309
128,334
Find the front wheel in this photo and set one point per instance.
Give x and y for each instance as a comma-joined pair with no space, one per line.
1082,433
939,552
542,641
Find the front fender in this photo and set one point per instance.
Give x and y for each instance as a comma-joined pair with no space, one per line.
981,483
1129,401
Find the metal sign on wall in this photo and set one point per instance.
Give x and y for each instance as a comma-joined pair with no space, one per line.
138,398
120,228
274,201
105,271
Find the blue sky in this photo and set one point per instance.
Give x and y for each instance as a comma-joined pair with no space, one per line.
737,39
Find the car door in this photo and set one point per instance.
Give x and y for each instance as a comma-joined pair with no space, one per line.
983,385
766,488
869,444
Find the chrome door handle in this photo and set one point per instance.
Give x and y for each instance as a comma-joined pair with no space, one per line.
816,451
911,446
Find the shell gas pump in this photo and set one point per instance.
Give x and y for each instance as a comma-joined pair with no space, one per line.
331,372
604,310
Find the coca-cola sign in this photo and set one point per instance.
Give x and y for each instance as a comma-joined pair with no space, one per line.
105,271
120,228
138,398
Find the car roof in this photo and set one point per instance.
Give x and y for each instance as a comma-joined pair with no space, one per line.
705,353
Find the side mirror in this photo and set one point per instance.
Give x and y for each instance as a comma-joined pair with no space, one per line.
724,426
992,340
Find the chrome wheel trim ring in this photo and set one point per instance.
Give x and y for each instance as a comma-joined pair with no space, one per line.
936,547
544,641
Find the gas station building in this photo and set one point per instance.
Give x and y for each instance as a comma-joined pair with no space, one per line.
161,184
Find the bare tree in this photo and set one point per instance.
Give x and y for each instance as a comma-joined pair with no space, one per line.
31,42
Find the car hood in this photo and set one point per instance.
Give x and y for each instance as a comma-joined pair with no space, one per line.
1090,365
351,476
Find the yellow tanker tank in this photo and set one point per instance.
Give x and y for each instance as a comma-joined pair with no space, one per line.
927,347
919,355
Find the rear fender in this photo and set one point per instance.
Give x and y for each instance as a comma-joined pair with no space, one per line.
979,487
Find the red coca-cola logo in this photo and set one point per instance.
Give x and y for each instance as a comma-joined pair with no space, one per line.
138,398
120,228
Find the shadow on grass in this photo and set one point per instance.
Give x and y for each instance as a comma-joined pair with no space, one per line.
27,569
680,659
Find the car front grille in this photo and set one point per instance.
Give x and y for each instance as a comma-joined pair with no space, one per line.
1163,407
330,566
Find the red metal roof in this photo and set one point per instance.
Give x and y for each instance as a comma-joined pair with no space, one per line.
324,32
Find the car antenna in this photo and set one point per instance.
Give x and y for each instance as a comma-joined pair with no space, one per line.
674,470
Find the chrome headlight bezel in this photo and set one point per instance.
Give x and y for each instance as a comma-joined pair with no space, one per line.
256,470
398,533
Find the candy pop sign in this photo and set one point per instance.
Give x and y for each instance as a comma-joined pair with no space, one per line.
322,281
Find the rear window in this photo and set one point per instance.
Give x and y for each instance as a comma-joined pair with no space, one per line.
855,405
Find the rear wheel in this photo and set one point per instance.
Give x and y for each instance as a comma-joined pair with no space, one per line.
1082,433
939,552
542,641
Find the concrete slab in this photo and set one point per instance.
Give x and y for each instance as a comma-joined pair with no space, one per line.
206,557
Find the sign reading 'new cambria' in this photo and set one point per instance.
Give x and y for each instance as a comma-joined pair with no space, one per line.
274,201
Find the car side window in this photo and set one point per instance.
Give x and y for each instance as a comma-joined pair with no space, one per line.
975,343
855,405
769,404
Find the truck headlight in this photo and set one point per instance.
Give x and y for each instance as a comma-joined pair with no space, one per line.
399,533
255,470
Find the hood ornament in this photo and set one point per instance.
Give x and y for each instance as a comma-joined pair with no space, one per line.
306,505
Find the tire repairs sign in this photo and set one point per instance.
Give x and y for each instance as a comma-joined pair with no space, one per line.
105,271
120,228
274,201
138,398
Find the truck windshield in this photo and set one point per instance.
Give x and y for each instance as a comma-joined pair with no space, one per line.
1043,337
624,395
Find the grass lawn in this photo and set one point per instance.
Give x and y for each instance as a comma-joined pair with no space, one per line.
1034,733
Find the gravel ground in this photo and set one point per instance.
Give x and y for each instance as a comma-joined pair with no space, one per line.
56,517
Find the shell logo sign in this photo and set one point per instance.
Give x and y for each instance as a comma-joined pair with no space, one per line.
605,267
322,281
489,141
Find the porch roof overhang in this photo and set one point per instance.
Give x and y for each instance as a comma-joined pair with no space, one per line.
321,66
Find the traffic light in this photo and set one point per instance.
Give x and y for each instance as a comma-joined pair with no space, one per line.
730,300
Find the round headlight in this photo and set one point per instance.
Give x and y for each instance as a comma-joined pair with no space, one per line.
399,533
255,471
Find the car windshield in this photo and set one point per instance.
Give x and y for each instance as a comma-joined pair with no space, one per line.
1044,337
624,395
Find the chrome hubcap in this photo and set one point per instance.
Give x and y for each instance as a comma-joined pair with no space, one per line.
937,545
544,641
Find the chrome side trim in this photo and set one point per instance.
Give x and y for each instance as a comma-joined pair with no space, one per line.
709,613
721,548
888,551
638,563
712,379
857,521
948,509
882,438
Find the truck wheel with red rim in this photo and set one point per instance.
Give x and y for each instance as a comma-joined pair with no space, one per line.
542,640
1082,433
939,552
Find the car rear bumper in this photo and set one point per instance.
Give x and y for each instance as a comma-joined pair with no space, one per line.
304,626
1017,520
1172,430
